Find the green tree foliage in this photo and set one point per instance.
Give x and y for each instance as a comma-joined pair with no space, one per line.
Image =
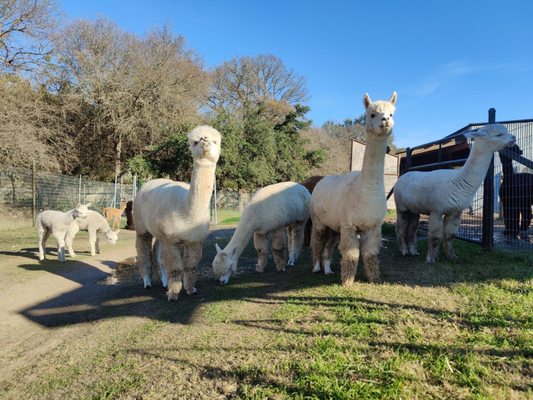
256,153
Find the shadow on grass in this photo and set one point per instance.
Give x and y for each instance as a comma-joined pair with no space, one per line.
102,296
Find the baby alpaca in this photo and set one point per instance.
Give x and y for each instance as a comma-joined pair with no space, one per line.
444,192
57,223
272,209
94,223
354,205
114,214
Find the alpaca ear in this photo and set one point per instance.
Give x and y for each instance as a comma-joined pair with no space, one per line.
219,250
88,205
393,98
366,100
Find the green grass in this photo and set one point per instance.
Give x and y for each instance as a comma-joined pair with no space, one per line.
453,330
228,217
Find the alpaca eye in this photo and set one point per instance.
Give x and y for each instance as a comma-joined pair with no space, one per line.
196,142
372,115
391,115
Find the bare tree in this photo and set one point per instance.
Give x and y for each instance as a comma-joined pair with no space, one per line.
32,127
245,84
25,27
134,89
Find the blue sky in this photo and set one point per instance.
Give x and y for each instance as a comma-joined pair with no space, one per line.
449,61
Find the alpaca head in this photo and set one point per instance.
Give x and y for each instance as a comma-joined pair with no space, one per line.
81,210
224,265
204,143
379,115
495,137
112,236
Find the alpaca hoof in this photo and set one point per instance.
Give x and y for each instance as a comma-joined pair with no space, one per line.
172,296
414,253
347,283
259,269
192,291
148,286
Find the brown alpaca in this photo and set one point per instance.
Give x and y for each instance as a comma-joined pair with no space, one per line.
114,214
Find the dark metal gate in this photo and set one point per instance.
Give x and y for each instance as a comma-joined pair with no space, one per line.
483,221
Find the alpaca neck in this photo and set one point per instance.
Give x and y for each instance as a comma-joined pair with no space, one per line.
240,239
201,187
373,168
476,166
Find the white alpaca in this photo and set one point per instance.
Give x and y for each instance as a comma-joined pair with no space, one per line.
444,193
94,223
176,213
57,223
354,205
271,210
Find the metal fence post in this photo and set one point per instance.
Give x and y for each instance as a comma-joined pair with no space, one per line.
33,194
487,233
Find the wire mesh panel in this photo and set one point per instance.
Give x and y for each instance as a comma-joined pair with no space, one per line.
515,190
23,193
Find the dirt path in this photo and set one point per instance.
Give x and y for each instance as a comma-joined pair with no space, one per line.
52,303
28,324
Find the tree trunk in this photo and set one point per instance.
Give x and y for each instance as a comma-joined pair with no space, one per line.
118,154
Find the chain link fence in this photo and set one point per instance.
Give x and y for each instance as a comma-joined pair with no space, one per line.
25,192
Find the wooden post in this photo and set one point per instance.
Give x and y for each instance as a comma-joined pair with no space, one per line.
487,229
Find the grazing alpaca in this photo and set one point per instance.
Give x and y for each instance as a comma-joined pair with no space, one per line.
444,192
114,214
93,224
271,210
516,195
58,223
176,213
354,205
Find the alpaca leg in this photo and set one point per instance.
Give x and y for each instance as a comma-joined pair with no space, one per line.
451,225
412,228
279,249
173,266
434,237
318,236
143,245
261,247
402,224
525,213
349,249
97,243
69,239
307,232
192,254
512,215
44,234
60,236
93,237
327,253
370,244
296,241
157,261
290,244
